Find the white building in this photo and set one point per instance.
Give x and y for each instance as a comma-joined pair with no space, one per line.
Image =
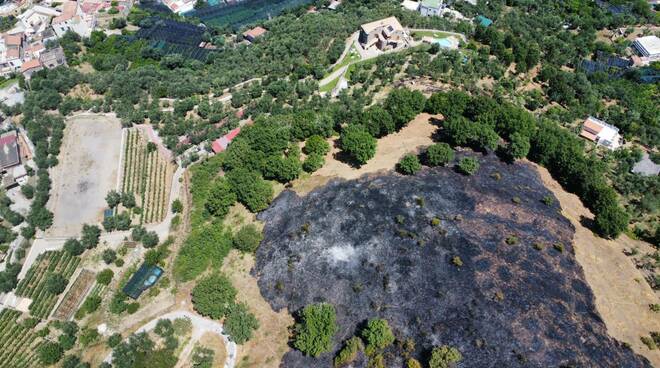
11,53
648,47
601,133
410,5
37,19
72,18
180,6
429,8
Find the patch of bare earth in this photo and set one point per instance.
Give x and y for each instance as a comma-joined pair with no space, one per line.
417,134
269,342
214,342
622,295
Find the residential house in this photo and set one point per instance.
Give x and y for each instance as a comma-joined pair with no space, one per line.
254,33
221,144
601,133
384,34
9,155
52,58
11,53
648,47
72,18
334,4
180,6
30,67
430,8
37,18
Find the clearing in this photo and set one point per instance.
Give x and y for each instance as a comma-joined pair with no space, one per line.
622,295
87,171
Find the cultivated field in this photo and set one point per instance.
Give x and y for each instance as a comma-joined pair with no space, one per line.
148,175
18,344
87,170
34,284
75,295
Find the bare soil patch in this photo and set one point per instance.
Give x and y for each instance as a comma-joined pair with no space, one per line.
417,134
622,295
75,296
269,342
87,170
213,341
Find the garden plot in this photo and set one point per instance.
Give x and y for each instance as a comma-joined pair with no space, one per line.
87,170
148,175
18,342
33,286
75,295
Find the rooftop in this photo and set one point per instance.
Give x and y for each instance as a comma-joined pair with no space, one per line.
432,3
391,21
9,150
650,43
30,64
254,32
69,9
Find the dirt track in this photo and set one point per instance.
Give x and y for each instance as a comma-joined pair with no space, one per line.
622,295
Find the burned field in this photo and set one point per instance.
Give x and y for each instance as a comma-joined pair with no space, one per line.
482,263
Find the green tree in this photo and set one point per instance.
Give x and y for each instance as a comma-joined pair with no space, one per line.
177,206
150,239
409,165
28,191
439,154
349,352
518,146
358,144
313,162
377,121
73,247
220,198
316,145
90,236
247,239
377,335
113,198
251,189
316,328
50,353
468,165
240,323
213,296
55,283
109,256
403,105
611,221
105,277
443,356
128,199
114,340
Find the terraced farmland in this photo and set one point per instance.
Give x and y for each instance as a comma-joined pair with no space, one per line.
148,175
18,343
34,284
74,297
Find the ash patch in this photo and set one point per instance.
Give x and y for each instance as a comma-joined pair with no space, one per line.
383,247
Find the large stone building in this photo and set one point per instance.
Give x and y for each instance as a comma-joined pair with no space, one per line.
384,34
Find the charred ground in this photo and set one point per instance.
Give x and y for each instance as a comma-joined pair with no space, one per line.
386,246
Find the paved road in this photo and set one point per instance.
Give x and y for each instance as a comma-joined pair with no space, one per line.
201,326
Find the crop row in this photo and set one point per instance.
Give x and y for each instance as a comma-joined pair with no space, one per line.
18,343
34,284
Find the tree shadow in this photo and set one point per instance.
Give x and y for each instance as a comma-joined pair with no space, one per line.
588,223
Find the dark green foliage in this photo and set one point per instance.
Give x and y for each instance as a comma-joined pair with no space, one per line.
202,357
114,340
444,356
55,283
150,239
409,165
439,154
316,145
90,236
308,123
358,144
283,169
611,221
240,323
518,146
313,162
105,277
449,104
403,105
50,353
128,199
251,189
113,198
247,239
28,191
468,165
315,330
377,334
90,305
220,198
8,279
213,296
349,352
73,247
205,245
462,132
177,206
377,121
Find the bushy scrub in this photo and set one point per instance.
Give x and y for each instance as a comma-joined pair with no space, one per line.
316,328
409,165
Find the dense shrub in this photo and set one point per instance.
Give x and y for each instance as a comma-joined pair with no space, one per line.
378,335
240,323
316,145
55,283
443,356
50,353
73,247
315,330
349,352
105,277
403,105
409,165
213,296
358,144
220,198
251,189
439,154
247,239
313,162
468,165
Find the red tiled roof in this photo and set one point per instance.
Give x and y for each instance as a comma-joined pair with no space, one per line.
30,64
232,134
254,32
14,39
68,12
222,143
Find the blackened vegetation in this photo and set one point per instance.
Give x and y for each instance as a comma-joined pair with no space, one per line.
429,253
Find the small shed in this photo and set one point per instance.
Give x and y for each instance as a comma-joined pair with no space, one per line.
254,33
144,278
